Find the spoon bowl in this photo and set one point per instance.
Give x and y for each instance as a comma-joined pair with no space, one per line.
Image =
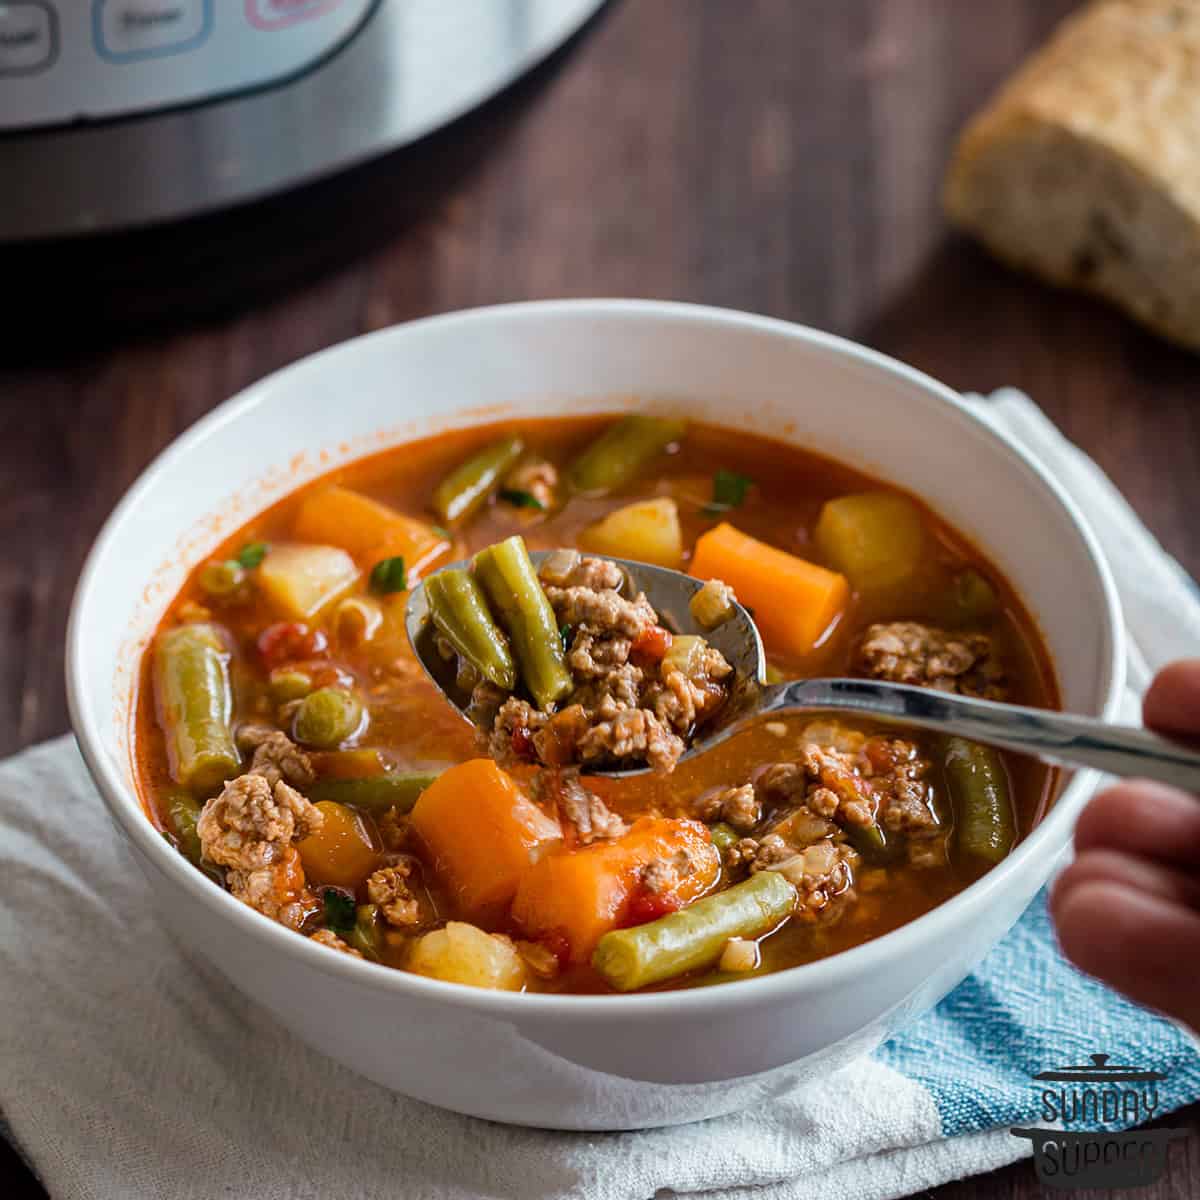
1060,738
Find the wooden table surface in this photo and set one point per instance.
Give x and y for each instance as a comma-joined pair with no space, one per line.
769,155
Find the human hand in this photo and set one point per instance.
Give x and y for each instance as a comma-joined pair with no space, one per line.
1128,908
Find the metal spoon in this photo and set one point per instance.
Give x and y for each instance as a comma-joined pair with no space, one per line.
1054,737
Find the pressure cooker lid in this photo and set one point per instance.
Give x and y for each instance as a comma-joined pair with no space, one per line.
1100,1070
393,71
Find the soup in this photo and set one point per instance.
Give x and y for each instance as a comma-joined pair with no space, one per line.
289,743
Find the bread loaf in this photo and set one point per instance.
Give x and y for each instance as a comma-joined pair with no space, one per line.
1086,167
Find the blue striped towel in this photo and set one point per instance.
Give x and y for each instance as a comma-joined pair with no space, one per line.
130,1073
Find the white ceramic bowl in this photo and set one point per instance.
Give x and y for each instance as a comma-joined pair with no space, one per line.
579,1062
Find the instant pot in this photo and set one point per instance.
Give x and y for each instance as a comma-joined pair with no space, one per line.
121,113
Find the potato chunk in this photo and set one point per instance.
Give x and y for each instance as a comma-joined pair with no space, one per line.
646,531
301,580
462,953
875,539
713,604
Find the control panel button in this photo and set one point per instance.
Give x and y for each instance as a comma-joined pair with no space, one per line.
279,14
28,36
126,30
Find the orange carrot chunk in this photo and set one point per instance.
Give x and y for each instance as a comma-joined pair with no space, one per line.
794,601
580,895
482,834
340,853
368,530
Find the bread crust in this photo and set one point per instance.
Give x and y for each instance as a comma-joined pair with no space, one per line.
1085,167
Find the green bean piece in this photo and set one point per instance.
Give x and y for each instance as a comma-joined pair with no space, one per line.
870,841
374,793
195,705
327,717
222,579
466,489
621,451
724,837
693,937
460,613
516,597
365,936
983,807
183,811
974,598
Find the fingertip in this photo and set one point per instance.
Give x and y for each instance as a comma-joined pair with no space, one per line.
1172,703
1078,909
1142,817
1140,944
1133,871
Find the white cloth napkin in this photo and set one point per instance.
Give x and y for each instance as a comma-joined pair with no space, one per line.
128,1070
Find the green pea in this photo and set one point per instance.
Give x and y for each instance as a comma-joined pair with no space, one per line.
222,578
974,598
327,717
287,683
723,837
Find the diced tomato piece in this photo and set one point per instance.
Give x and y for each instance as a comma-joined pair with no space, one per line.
290,641
652,643
522,744
645,905
325,674
561,735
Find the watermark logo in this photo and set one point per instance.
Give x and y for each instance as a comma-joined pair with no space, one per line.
1083,1150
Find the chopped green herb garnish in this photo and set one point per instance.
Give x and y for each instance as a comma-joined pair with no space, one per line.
251,554
729,491
564,632
443,532
519,499
388,575
339,910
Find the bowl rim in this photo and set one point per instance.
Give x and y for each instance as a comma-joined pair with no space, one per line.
822,974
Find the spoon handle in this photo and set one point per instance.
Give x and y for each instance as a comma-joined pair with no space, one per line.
1051,736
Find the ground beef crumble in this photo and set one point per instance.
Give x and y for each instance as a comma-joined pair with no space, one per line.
604,611
626,709
277,890
632,733
326,937
662,876
594,657
682,699
922,655
388,888
394,829
738,807
251,821
251,829
822,872
801,817
579,810
276,756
